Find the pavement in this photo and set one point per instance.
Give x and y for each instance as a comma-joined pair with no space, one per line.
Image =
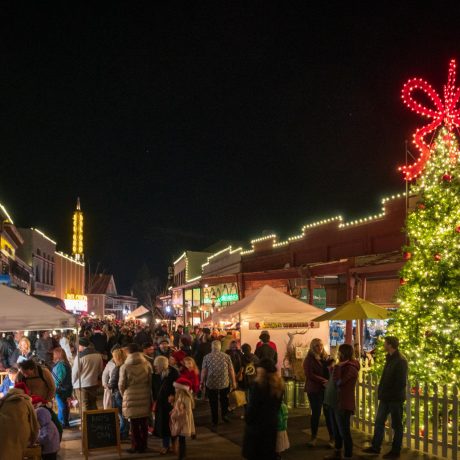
224,441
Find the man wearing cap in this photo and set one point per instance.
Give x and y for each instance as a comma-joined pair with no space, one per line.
86,374
270,343
217,376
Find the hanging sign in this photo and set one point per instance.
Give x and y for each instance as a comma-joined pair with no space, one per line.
288,325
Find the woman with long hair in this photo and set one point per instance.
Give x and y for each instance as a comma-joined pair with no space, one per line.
118,358
163,397
265,396
316,369
22,353
62,375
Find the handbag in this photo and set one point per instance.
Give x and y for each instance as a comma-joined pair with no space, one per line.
177,420
236,398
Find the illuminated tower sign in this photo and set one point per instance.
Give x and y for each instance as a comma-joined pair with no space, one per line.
77,241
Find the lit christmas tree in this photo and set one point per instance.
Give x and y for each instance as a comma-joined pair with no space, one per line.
428,319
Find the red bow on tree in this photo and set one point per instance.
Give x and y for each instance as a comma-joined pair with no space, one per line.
443,112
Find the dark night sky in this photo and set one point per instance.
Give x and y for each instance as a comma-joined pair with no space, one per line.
180,124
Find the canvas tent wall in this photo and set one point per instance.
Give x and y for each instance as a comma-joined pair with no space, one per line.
280,314
19,311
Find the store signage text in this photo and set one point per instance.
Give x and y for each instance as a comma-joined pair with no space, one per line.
276,325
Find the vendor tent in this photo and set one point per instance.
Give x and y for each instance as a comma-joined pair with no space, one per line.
19,311
283,316
139,311
269,305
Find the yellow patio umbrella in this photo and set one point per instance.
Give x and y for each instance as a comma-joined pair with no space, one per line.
356,309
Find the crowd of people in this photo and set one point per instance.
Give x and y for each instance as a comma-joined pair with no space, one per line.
154,378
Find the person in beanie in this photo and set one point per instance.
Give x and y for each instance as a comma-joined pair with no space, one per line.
86,374
266,394
391,394
182,422
266,349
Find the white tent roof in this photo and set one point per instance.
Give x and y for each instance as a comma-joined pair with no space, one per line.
139,311
19,311
270,305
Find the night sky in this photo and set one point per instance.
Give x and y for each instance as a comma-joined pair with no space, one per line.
183,123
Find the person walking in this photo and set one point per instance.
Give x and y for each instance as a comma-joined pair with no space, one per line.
182,421
62,374
163,396
203,347
86,374
266,349
135,388
118,359
341,400
217,376
266,394
392,394
316,371
236,356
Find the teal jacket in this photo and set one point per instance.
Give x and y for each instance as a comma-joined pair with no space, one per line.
282,417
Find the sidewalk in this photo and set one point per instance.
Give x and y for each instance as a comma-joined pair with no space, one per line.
224,442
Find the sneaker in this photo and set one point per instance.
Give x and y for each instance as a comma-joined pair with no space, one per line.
391,454
371,450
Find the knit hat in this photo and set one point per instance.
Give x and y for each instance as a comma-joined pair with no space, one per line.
22,386
83,341
182,384
179,355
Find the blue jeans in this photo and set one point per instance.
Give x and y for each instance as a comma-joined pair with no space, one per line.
124,424
342,431
396,410
63,410
316,404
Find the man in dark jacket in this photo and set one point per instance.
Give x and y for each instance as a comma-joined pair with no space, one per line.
392,394
266,350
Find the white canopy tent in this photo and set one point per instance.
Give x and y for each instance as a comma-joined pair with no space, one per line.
277,312
19,311
139,311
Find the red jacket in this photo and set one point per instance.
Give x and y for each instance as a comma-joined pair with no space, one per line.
270,343
315,374
193,378
345,376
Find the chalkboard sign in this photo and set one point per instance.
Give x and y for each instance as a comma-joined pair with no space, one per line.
101,430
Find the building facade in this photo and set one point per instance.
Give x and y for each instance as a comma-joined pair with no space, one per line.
14,271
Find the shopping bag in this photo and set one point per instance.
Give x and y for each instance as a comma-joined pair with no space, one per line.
236,398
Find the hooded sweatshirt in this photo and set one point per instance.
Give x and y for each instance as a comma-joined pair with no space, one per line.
49,434
345,377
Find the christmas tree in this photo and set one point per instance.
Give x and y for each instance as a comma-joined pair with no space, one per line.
428,319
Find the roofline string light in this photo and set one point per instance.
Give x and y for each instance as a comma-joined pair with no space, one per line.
6,213
44,236
444,113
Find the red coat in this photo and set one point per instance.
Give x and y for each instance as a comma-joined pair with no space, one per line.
314,370
270,343
193,378
345,376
